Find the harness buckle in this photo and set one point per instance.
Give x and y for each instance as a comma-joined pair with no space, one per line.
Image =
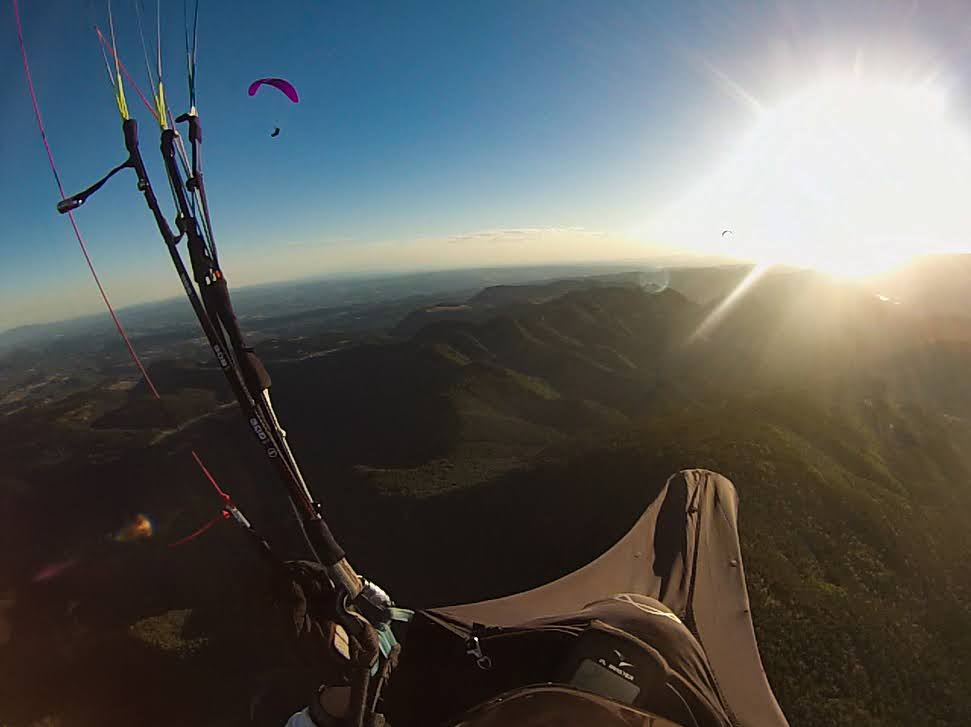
473,647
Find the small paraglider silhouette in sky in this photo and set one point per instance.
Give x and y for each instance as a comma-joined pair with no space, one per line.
282,85
727,232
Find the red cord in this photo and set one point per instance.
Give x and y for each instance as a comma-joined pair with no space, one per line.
60,189
212,480
84,250
124,70
223,515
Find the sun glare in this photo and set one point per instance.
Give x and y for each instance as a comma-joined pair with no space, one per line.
849,176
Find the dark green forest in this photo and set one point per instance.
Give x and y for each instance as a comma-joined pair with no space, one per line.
841,420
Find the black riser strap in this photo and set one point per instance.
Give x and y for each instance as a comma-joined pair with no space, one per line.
217,299
76,200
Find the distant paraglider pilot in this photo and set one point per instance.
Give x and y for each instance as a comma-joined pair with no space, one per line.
282,85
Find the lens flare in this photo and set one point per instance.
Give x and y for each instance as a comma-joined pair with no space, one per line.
52,570
140,528
851,176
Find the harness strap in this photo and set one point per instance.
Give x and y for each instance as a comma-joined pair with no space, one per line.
76,200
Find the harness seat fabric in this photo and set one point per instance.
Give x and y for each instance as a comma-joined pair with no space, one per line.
684,552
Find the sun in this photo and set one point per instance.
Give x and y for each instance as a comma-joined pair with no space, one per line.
849,175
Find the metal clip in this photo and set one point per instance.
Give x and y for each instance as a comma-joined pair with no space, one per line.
474,648
239,517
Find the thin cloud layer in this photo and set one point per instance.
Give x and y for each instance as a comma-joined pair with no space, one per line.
520,234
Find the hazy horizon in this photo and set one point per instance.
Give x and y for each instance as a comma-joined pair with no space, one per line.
821,135
544,269
523,276
374,259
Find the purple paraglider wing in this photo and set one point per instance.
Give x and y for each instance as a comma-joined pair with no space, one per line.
281,84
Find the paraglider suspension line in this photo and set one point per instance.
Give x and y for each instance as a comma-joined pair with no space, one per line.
84,249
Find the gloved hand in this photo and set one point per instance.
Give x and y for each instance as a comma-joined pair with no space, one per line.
307,604
308,607
326,710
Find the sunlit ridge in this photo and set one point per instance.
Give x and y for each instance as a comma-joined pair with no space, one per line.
716,316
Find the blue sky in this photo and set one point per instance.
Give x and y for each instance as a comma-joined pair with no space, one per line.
428,134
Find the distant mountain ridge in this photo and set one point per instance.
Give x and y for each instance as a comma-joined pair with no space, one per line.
931,285
301,296
699,284
844,421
